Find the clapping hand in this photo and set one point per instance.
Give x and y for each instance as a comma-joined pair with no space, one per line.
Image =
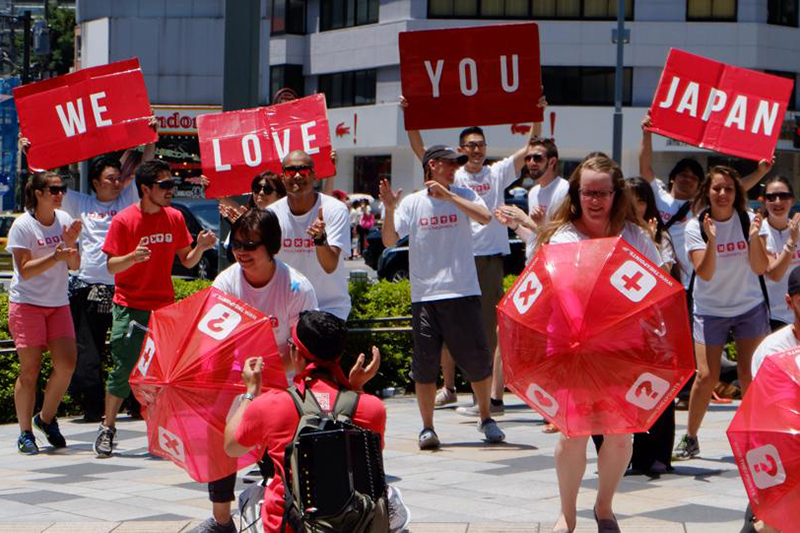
70,234
206,239
389,198
251,374
359,374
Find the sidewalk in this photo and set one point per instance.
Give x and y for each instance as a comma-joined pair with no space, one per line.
466,487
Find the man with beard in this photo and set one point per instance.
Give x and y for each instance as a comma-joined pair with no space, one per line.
141,245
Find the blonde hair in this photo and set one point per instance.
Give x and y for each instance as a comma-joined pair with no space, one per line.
622,210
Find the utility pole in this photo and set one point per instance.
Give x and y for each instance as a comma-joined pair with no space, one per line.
26,47
621,37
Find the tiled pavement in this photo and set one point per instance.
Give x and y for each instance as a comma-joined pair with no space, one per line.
466,487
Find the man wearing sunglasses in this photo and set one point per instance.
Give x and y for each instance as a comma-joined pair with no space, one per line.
141,245
316,234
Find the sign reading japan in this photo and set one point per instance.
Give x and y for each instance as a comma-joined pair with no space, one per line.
466,76
720,107
90,112
235,146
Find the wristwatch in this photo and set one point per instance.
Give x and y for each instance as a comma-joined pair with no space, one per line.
321,240
246,396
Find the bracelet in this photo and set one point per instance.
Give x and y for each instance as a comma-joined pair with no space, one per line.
246,396
789,248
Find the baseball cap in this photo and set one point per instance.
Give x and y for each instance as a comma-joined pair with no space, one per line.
794,282
440,151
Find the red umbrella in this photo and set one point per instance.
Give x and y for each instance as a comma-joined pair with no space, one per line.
765,441
189,373
595,337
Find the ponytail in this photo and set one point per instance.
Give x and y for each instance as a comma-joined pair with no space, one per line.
38,182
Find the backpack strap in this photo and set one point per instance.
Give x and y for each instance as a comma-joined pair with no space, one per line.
678,216
346,404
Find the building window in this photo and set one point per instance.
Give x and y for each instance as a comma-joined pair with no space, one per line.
336,14
369,171
526,9
711,10
286,76
791,76
288,16
584,85
782,12
345,89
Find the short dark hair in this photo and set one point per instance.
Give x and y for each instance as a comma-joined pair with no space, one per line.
148,172
549,147
264,224
37,182
687,163
323,334
273,180
472,130
98,165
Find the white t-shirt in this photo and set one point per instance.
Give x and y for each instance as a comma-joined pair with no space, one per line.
633,234
776,290
734,288
780,341
550,196
96,218
48,289
441,260
489,184
668,206
286,295
299,252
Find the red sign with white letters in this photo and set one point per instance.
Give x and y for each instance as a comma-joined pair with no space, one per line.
468,76
720,107
90,112
235,146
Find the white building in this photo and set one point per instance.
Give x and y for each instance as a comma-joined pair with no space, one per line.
349,50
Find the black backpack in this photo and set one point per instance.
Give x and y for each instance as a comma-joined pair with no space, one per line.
333,471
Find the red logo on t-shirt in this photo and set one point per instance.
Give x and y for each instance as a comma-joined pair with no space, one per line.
298,242
731,247
480,188
49,241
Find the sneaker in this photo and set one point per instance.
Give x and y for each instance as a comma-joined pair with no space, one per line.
212,526
491,430
51,431
688,448
104,443
445,396
428,440
399,514
26,443
682,405
473,411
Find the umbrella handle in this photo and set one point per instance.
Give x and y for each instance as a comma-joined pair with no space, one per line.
130,328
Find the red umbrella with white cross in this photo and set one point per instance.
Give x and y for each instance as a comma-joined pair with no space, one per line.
595,337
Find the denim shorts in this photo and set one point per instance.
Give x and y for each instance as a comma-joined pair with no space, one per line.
713,330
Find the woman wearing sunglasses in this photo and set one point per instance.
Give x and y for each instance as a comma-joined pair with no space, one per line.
266,189
780,236
43,242
597,205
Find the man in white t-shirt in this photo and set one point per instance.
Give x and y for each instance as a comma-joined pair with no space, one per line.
787,337
316,234
445,303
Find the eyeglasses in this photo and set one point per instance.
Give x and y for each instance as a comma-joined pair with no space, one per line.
538,158
474,145
57,189
772,196
115,179
166,184
247,246
600,194
303,170
266,189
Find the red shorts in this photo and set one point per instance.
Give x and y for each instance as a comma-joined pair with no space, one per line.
32,326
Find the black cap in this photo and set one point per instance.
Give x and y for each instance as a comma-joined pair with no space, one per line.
794,282
440,151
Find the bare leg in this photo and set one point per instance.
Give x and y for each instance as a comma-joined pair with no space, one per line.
65,355
113,403
30,362
498,383
222,512
426,396
708,364
570,456
612,461
482,390
448,369
744,357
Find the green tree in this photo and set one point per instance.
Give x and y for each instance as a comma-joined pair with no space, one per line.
62,39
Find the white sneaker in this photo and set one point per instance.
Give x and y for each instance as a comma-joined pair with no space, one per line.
399,514
445,396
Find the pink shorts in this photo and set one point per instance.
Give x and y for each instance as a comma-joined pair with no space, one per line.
33,326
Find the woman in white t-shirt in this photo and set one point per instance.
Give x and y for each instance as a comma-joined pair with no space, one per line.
780,235
43,242
728,256
597,205
644,202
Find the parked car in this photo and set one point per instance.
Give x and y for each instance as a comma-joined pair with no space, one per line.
6,260
199,215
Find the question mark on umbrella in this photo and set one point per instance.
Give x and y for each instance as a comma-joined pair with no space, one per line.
216,324
647,388
768,466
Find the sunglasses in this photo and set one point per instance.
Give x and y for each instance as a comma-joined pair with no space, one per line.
247,246
601,194
303,170
266,189
535,157
166,184
57,189
474,145
772,196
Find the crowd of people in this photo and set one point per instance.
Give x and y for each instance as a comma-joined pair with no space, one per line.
288,247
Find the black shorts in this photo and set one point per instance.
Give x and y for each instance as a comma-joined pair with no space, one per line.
456,322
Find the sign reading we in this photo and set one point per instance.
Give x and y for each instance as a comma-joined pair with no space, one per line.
80,115
720,107
471,76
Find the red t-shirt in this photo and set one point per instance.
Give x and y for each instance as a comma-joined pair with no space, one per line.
272,420
146,285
